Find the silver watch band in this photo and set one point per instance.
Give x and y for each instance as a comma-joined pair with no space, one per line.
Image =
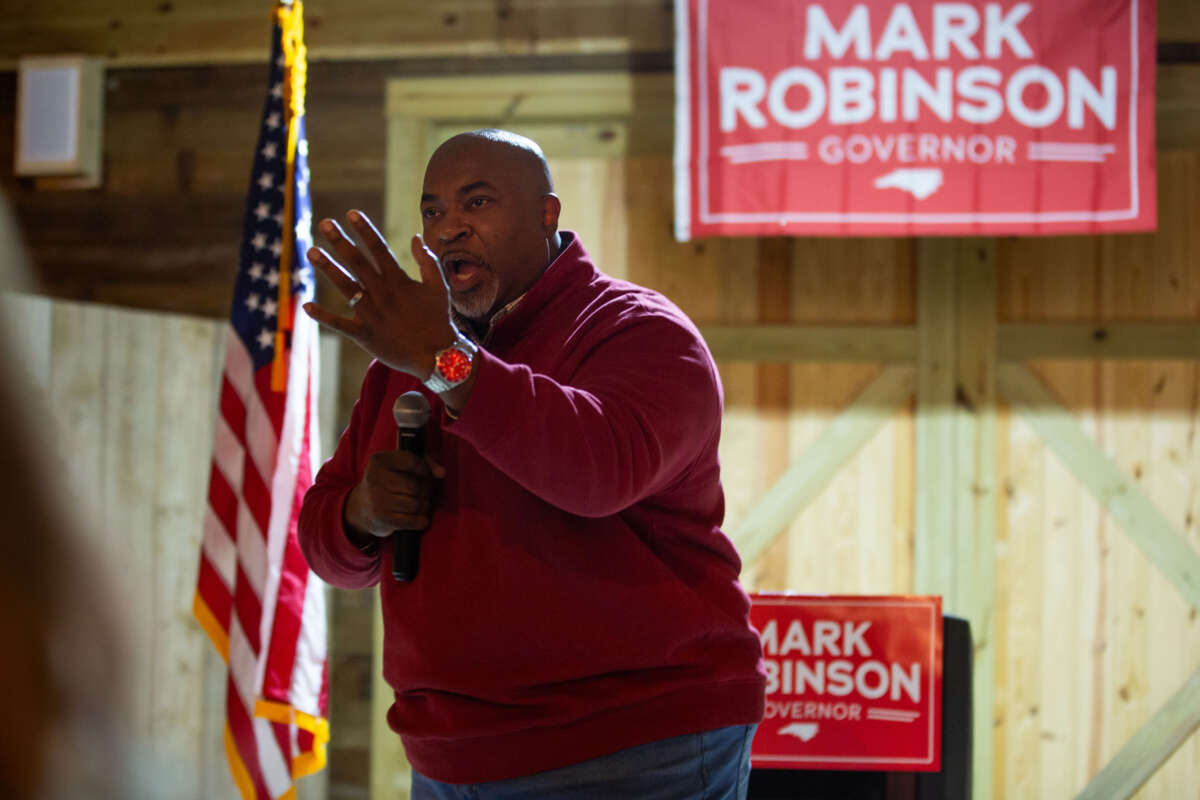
436,382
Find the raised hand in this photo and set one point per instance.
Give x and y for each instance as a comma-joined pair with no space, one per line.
398,320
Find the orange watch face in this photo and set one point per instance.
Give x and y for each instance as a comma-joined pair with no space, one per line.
454,365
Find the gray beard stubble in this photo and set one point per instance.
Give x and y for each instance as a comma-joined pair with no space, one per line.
477,303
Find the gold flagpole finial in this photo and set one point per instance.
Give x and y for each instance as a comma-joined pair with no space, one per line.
295,73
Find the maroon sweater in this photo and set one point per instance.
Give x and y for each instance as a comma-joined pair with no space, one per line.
576,595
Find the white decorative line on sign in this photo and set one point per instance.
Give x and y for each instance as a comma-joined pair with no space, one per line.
892,715
765,151
1070,151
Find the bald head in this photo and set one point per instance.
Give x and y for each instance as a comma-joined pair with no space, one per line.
522,151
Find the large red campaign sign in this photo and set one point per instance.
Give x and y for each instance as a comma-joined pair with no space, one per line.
852,682
914,118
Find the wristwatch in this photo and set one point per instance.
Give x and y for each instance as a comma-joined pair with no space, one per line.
452,366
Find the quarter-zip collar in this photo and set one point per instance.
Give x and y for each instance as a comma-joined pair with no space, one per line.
510,320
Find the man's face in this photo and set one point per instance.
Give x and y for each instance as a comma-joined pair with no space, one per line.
482,213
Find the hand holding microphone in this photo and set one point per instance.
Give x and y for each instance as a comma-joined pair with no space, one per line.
395,496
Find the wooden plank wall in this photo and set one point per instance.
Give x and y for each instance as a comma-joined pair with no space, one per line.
162,233
131,398
1092,640
153,32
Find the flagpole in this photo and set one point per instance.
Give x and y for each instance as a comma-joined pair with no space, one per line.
290,19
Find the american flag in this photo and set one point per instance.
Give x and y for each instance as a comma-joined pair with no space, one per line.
256,597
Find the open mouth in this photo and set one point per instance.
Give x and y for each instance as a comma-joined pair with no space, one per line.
463,271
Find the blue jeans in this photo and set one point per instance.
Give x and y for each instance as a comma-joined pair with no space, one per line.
714,765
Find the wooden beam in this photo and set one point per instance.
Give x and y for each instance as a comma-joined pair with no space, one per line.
1085,340
1166,548
933,565
890,344
1150,747
409,146
1177,103
898,344
974,488
390,772
223,31
817,465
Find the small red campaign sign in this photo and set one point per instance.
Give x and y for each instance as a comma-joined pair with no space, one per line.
914,118
853,682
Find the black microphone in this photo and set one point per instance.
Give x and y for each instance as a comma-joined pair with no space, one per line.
411,412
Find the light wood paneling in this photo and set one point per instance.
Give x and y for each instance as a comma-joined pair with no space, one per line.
936,332
890,344
132,399
845,540
1132,277
1093,640
974,487
1084,340
1110,640
810,472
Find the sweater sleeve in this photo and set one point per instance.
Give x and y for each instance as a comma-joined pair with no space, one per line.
320,531
631,419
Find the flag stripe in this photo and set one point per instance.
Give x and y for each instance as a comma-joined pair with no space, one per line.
228,456
242,729
217,547
308,668
249,611
290,595
212,626
281,660
275,760
222,500
215,590
233,410
280,599
241,776
251,552
239,366
258,498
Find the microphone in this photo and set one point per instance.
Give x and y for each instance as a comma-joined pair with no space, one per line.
411,412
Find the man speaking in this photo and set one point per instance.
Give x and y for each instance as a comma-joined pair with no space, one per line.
575,628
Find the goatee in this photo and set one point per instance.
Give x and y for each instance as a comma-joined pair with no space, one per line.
477,303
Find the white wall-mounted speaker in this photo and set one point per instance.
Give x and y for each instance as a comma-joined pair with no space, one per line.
60,120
